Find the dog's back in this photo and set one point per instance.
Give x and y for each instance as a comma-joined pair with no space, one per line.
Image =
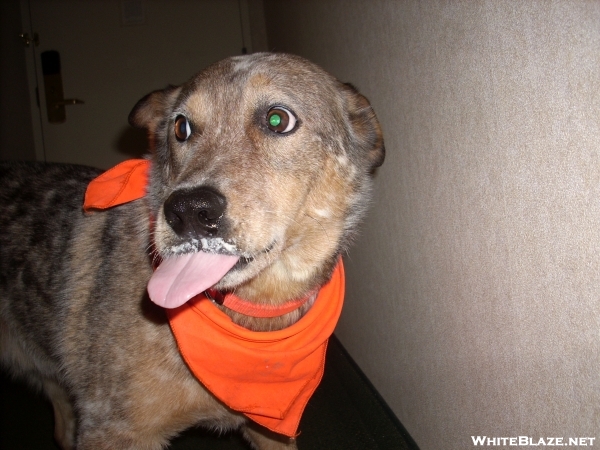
40,212
58,283
48,246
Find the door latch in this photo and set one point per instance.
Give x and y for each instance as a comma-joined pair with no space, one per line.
53,87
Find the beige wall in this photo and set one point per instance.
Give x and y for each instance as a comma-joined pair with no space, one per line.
474,292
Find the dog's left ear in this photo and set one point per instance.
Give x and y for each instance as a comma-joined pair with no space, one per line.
150,110
365,126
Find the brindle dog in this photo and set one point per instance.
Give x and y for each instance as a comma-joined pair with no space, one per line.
283,195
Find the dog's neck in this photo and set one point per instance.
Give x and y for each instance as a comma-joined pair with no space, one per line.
252,309
261,317
290,297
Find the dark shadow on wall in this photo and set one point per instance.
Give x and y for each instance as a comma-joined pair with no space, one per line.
16,131
132,142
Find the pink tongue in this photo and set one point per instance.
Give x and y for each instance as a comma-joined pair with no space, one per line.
180,278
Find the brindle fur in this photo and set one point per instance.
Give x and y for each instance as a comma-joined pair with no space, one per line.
75,318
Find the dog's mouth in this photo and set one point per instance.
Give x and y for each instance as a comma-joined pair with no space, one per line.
192,268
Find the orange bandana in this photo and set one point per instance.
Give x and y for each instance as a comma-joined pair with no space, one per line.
268,376
123,183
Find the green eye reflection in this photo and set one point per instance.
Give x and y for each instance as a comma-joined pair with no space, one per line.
275,120
281,120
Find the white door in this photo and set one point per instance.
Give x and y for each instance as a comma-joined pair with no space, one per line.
114,52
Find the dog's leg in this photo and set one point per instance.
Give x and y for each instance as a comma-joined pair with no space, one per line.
64,419
263,439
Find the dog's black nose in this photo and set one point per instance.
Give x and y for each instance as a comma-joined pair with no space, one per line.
195,212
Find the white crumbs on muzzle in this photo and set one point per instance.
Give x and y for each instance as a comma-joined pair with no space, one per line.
208,245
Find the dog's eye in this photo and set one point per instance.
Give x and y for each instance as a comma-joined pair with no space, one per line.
182,128
281,120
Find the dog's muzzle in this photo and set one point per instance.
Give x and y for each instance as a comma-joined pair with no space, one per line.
195,213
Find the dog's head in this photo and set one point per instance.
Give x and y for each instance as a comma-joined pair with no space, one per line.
265,157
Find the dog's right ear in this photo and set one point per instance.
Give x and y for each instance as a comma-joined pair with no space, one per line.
151,109
366,130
